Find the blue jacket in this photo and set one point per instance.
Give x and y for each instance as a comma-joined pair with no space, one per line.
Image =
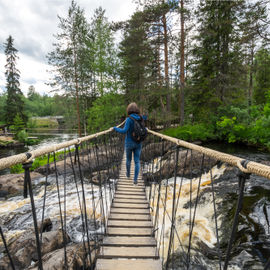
128,128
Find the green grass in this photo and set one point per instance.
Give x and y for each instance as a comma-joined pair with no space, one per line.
43,123
39,162
5,143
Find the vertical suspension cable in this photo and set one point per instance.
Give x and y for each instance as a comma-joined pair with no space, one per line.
171,240
215,215
60,210
44,197
102,210
194,212
6,248
80,206
242,179
84,203
26,167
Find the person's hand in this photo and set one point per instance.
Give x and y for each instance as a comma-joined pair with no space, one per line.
111,129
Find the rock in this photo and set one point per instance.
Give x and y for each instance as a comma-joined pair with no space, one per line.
23,249
186,161
99,177
153,150
75,258
13,183
46,226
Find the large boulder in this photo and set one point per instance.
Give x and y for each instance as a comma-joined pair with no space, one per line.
76,254
189,165
11,184
23,250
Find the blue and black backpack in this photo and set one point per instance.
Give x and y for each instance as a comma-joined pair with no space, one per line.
139,132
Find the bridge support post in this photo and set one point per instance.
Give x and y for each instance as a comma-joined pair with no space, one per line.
242,177
28,183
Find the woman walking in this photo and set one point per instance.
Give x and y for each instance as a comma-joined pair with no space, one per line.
131,145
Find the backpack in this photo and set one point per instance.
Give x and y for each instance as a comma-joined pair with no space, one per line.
139,132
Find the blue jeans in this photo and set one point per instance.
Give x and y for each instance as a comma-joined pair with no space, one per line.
136,148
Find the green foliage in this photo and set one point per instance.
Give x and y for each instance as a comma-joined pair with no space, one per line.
218,73
106,112
16,168
231,130
262,82
18,124
252,128
21,136
190,132
14,102
39,162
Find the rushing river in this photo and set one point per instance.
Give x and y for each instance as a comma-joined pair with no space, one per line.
254,235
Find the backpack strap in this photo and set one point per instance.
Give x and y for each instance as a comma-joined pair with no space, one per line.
134,118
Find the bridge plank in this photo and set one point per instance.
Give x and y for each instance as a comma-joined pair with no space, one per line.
131,201
126,196
128,231
129,223
122,216
132,206
129,211
142,264
128,252
129,241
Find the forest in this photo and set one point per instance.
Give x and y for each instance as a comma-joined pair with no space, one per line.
200,70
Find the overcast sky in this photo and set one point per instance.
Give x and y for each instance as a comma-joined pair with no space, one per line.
32,24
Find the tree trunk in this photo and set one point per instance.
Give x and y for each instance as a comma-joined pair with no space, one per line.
166,67
182,65
250,88
77,96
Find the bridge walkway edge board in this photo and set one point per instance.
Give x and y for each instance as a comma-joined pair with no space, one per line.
129,243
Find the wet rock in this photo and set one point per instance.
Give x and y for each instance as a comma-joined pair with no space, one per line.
189,165
76,254
152,150
12,184
3,193
88,162
46,226
99,177
23,250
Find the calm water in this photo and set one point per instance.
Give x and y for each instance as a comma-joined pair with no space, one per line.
45,138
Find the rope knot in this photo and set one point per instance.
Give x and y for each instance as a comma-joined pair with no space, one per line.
242,165
29,157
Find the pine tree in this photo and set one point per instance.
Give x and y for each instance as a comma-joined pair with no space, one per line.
218,75
105,61
14,102
262,75
70,57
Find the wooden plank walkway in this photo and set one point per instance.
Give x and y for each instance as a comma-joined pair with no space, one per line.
129,243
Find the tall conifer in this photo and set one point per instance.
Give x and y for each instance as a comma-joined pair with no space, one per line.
14,102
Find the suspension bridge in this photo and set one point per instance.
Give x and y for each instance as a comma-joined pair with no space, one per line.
158,224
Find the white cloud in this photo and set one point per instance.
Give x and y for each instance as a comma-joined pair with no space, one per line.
33,23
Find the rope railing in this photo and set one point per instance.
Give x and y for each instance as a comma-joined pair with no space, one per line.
84,181
186,203
244,165
26,157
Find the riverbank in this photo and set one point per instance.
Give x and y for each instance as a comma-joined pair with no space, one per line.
9,142
223,132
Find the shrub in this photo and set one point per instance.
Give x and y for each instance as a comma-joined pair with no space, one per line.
21,136
190,132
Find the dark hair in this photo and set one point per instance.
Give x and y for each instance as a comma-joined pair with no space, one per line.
133,108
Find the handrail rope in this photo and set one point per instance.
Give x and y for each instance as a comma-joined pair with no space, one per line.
23,158
244,165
